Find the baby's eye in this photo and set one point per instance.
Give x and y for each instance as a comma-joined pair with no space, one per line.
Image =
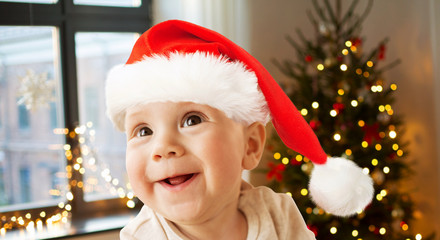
192,120
144,131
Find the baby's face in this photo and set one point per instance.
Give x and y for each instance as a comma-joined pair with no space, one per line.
184,160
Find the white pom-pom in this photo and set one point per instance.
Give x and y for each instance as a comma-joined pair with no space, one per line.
340,187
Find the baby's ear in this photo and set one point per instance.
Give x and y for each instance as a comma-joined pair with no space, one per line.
256,137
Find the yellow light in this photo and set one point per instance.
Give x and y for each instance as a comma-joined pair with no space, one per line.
354,103
345,52
68,207
13,218
366,171
364,144
358,71
343,67
304,192
299,158
382,231
348,152
382,108
130,204
378,147
277,156
393,87
304,112
379,197
353,48
337,137
66,147
395,146
393,134
69,196
315,105
285,161
405,227
320,67
361,123
355,233
333,230
383,192
341,92
43,214
61,205
348,43
289,194
419,236
333,113
79,160
399,152
374,162
369,63
386,170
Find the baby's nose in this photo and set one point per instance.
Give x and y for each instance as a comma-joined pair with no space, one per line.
167,146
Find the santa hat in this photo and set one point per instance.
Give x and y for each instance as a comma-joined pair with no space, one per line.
180,61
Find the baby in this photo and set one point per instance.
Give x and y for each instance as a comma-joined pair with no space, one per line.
194,107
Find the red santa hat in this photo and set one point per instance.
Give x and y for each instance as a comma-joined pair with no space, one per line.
180,61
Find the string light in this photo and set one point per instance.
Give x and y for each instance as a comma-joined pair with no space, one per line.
393,87
348,43
386,170
392,134
374,162
304,112
419,236
354,233
341,91
333,230
276,156
337,137
354,103
345,52
333,113
370,64
315,105
304,192
320,67
285,161
343,67
382,231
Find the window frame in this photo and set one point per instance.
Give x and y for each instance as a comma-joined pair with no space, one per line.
70,19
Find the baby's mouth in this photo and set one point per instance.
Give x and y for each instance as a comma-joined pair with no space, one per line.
178,179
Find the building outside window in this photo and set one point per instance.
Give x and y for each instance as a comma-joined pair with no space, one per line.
59,154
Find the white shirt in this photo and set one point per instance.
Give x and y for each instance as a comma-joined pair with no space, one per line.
269,215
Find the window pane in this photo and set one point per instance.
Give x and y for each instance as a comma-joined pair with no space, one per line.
103,147
110,3
32,162
31,1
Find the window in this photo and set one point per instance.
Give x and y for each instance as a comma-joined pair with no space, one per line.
59,154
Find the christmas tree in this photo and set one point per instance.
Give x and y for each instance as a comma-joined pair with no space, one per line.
339,89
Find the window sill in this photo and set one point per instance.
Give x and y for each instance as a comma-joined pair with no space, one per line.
76,228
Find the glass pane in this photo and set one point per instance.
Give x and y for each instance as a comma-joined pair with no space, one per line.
110,3
31,1
32,162
103,147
